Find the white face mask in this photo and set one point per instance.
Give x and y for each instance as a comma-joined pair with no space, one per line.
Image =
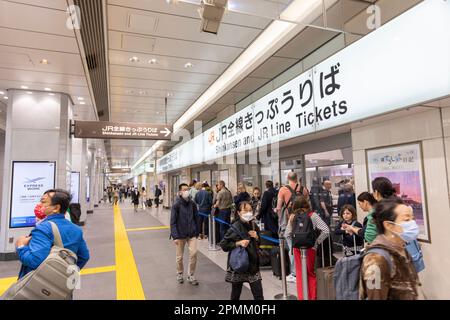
185,195
247,216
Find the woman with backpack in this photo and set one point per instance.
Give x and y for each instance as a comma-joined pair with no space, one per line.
389,273
244,233
352,242
304,224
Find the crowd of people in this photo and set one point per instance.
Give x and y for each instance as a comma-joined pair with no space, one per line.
139,197
388,230
386,241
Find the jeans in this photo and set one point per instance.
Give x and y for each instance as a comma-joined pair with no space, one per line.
256,287
291,256
203,222
225,215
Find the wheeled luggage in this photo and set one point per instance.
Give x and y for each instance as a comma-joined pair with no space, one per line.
275,261
265,249
325,281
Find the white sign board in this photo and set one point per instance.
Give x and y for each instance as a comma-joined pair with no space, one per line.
402,64
75,186
29,182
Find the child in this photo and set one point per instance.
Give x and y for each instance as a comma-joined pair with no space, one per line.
350,240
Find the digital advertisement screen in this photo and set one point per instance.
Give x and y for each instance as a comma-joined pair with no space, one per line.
29,181
75,187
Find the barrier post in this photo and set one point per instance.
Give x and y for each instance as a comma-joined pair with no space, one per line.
212,233
284,295
304,274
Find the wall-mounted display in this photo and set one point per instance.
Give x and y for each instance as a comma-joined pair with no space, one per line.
29,181
403,166
75,186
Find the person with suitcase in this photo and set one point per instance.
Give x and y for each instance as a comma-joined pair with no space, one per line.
352,242
33,250
302,229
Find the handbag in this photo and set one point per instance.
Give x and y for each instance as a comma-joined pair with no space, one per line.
239,260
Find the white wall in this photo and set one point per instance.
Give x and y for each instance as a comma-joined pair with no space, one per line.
425,127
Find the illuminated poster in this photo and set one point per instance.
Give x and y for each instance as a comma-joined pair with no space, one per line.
29,181
75,186
403,166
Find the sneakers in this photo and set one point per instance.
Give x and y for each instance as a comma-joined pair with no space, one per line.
180,278
291,279
192,280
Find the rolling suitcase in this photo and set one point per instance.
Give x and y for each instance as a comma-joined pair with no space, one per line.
265,248
275,261
325,281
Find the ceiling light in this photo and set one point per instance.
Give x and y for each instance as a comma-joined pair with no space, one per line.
6,98
188,65
44,61
134,59
51,94
2,93
169,94
278,33
80,99
82,103
29,92
48,89
152,61
24,87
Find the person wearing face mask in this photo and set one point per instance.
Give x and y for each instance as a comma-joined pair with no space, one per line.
184,231
34,249
135,195
234,237
396,278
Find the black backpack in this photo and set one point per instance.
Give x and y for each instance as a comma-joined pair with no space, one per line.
303,233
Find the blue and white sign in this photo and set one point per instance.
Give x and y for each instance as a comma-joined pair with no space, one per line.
29,182
402,64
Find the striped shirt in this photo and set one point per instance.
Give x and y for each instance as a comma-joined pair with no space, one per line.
318,224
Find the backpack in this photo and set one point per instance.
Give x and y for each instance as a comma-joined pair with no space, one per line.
286,209
416,254
347,273
54,279
303,233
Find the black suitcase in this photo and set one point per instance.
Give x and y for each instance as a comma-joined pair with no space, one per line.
149,203
275,261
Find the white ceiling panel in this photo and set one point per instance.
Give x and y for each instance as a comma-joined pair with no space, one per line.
157,85
161,75
172,104
82,91
176,48
29,59
177,27
167,63
273,65
52,4
35,40
189,10
27,76
142,95
33,18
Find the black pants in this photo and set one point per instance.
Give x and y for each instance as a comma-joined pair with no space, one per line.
256,287
157,201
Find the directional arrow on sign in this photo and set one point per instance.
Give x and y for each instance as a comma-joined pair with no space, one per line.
166,131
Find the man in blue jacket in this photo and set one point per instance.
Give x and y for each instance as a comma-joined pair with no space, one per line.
204,201
34,249
184,230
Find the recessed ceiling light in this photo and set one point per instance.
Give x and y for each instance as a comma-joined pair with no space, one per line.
152,61
51,94
188,65
6,98
29,92
82,103
48,89
169,94
134,59
24,87
2,93
44,61
80,99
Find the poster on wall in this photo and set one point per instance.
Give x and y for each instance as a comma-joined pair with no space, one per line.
403,166
29,181
75,186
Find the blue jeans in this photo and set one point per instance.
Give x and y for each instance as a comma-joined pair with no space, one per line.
203,222
224,215
291,256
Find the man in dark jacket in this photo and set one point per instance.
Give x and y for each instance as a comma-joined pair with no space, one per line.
203,199
184,230
158,194
267,215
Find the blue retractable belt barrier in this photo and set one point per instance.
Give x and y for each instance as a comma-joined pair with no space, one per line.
226,223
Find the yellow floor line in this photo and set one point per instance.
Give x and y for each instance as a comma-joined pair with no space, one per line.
128,282
148,229
5,283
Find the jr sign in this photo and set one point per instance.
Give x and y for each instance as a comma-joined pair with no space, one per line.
117,130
